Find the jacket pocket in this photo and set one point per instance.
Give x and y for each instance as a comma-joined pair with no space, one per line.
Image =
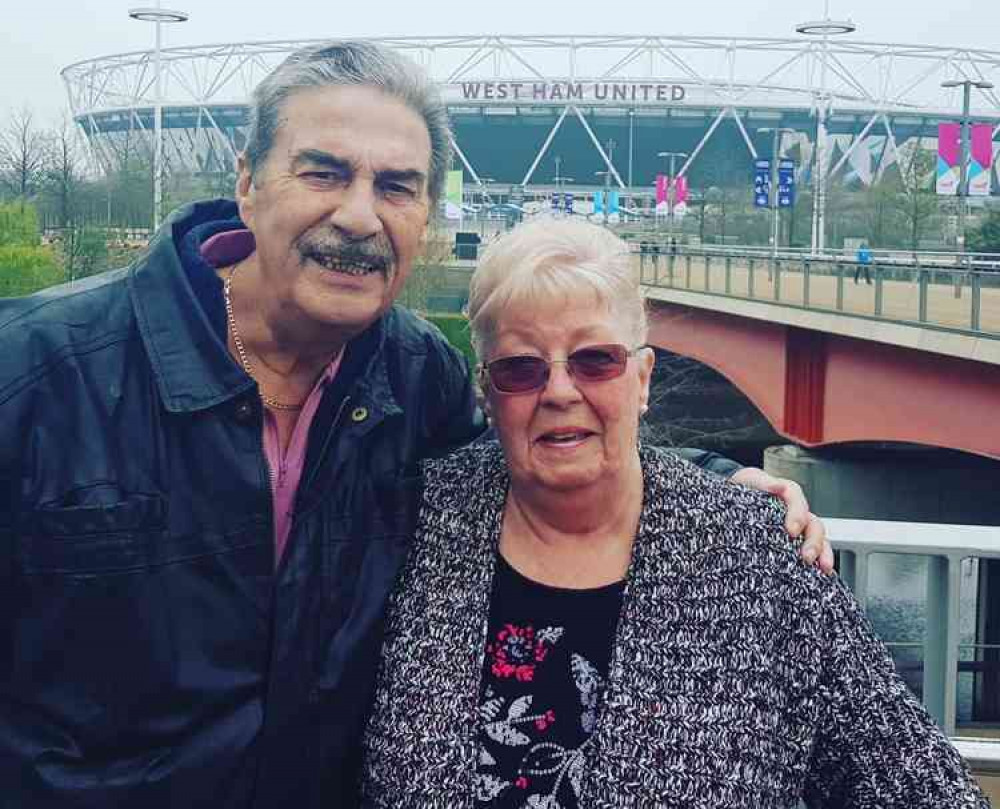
89,539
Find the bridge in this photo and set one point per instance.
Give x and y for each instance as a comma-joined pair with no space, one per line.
913,356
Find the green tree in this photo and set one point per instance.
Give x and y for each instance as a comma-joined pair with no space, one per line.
986,238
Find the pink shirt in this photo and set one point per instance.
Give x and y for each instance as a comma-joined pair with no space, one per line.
286,467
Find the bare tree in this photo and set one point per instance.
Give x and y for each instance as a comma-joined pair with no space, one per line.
64,172
23,151
692,405
916,199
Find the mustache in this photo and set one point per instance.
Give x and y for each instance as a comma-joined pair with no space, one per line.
333,252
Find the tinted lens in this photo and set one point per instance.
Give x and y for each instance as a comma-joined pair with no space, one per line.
518,374
598,363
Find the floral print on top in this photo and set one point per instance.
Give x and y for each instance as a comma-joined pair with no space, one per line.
547,657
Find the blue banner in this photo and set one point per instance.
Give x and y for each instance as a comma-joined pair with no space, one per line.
556,201
599,202
613,202
568,201
762,184
786,183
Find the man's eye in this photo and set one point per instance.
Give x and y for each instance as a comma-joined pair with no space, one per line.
398,189
321,176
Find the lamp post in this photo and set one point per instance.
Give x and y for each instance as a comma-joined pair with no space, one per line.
775,154
963,175
824,28
671,186
159,16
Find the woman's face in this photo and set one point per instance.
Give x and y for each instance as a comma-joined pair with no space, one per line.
573,433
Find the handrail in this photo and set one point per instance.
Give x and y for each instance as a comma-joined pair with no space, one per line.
982,755
945,546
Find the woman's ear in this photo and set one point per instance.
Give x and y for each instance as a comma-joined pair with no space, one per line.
645,358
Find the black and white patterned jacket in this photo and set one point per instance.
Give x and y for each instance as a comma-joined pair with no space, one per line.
739,678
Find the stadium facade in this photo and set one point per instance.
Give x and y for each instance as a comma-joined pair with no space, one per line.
598,104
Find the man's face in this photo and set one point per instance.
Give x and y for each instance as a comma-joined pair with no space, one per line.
339,208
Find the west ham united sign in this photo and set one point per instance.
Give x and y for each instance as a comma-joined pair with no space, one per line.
600,92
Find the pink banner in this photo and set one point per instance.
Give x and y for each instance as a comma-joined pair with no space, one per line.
662,182
949,149
981,167
949,143
681,190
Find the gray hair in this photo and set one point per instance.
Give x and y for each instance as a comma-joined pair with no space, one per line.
551,258
351,63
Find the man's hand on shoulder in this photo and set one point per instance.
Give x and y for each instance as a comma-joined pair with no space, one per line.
799,521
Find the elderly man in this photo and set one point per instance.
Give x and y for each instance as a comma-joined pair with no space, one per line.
208,462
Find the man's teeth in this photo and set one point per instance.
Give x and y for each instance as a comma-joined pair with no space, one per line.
356,268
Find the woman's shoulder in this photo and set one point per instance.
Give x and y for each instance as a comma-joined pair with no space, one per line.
467,474
700,514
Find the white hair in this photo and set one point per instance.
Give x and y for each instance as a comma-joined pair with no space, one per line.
550,259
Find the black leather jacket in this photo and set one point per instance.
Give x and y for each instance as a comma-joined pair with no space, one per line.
150,654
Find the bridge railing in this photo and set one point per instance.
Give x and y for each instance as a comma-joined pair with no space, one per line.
951,297
945,547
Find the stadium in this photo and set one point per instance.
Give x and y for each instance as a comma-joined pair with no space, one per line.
532,113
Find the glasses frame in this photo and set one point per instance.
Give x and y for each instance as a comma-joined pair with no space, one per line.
484,368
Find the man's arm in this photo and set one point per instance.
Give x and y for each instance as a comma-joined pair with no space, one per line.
799,521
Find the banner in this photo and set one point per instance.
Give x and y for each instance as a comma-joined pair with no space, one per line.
568,202
613,207
681,190
599,202
680,196
556,202
949,151
786,183
981,164
662,181
762,184
453,195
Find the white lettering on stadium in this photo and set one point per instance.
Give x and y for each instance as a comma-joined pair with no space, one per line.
631,92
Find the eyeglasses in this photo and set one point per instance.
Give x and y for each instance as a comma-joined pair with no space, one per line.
526,373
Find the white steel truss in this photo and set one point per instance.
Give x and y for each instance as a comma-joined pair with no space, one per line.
206,86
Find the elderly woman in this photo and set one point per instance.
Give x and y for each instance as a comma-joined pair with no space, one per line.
567,631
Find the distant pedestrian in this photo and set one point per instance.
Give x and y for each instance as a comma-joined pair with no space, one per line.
864,263
654,251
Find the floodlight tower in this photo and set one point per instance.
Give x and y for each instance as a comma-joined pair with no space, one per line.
159,16
824,28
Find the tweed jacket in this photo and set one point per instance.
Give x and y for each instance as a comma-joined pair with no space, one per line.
738,678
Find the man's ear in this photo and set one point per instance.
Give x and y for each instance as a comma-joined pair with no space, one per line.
245,191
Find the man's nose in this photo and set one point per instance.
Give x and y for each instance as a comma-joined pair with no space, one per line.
355,214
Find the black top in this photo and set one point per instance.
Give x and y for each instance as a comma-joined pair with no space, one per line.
547,656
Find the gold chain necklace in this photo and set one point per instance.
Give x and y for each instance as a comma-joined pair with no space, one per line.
241,350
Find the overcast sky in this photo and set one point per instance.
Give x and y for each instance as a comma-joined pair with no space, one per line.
39,37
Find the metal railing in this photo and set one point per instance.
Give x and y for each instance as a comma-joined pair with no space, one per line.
982,755
944,546
950,297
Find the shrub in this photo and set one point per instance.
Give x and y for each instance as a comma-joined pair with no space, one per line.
19,224
25,269
456,330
